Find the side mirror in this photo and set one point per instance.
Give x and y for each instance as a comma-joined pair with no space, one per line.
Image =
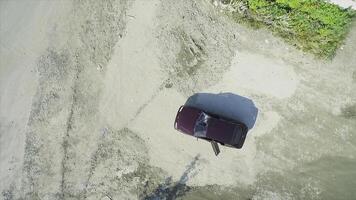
215,147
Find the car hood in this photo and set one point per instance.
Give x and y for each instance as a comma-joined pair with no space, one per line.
186,119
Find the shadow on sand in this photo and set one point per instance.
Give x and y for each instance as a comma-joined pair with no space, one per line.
169,190
227,105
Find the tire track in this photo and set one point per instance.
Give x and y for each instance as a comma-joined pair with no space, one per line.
65,140
50,108
65,106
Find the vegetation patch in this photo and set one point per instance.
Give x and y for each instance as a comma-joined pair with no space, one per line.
311,25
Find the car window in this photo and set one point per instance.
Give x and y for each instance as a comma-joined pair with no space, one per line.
201,125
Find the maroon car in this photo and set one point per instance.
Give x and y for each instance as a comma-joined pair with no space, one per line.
208,126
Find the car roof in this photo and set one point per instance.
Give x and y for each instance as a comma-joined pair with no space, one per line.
219,129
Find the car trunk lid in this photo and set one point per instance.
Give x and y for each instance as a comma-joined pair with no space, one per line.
221,131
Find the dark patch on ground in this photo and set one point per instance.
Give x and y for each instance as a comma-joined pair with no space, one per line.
118,151
54,68
354,76
8,194
191,55
171,191
213,192
169,85
349,111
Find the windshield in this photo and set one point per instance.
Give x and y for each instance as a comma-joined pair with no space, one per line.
201,125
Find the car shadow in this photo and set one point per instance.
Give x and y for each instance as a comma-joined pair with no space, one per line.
170,190
227,105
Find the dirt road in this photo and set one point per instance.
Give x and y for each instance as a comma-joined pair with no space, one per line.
89,91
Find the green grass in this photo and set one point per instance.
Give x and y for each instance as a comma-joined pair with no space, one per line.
311,25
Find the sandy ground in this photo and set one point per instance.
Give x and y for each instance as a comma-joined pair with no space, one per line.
89,93
24,33
345,3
